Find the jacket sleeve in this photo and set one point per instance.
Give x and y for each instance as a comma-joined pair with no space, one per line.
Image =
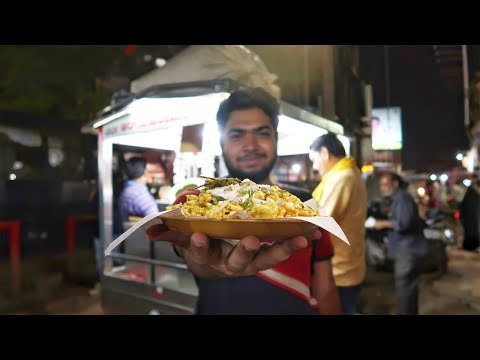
403,214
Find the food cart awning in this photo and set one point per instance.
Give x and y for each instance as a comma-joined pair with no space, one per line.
171,107
89,129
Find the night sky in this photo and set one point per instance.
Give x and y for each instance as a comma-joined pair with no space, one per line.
431,103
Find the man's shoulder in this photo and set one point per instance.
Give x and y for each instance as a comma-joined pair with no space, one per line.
402,194
347,177
132,186
135,191
350,173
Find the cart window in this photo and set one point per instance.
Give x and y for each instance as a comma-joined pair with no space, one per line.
192,138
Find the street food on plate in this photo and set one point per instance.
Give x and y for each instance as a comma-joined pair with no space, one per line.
211,183
223,198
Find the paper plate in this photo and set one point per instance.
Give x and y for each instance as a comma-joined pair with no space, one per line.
274,229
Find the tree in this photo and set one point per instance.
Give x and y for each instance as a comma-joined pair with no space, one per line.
73,81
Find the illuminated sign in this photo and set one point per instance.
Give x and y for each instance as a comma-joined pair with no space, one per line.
387,128
149,114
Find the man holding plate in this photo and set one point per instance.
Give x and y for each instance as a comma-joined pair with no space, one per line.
293,276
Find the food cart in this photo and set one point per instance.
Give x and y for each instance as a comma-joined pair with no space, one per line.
177,119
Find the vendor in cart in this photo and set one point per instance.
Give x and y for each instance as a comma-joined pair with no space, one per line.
230,278
135,199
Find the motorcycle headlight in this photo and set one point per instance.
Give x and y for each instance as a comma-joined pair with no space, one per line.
448,233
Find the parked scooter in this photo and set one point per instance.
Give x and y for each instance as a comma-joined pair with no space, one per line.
440,225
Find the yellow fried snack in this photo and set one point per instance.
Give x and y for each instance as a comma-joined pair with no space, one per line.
258,201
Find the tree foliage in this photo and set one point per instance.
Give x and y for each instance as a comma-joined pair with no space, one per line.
69,81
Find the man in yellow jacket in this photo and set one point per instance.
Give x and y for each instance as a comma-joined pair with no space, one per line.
342,194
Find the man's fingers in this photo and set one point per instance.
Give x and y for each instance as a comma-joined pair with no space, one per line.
203,251
314,235
223,256
160,232
246,258
242,254
271,255
156,230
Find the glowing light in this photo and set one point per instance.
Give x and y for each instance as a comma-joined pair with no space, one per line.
433,177
296,168
367,168
17,165
160,62
467,182
443,177
290,130
459,156
421,191
12,176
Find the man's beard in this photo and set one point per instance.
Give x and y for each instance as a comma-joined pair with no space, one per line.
257,176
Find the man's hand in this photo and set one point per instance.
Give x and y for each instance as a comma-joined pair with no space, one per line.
214,257
382,224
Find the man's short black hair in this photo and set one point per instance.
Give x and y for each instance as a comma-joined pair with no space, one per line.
135,167
331,143
248,98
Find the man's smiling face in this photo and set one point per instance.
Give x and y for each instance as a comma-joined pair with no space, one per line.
249,145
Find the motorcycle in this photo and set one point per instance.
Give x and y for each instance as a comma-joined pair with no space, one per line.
440,225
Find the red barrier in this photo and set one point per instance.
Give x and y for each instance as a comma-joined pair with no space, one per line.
13,229
70,229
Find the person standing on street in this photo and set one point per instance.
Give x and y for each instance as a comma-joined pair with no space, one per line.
470,217
407,245
342,194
